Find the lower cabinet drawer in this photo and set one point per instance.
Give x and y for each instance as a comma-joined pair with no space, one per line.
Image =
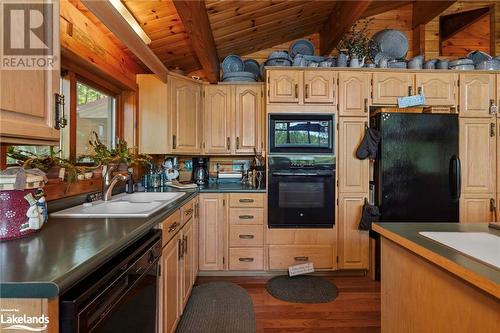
282,256
246,216
246,259
246,236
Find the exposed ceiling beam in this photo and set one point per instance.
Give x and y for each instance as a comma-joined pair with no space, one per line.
425,11
119,26
378,7
193,14
342,17
454,23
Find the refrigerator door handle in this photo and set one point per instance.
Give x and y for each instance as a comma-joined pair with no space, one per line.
455,177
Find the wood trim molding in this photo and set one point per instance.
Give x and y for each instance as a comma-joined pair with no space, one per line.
117,24
193,14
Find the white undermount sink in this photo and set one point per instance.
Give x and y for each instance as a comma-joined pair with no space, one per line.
122,206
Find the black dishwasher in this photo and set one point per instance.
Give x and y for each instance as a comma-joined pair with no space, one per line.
120,296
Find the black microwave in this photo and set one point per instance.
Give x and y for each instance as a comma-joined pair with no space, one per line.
301,133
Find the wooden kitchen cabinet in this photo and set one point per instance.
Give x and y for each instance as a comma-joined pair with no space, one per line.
319,87
477,208
248,119
353,173
354,94
211,232
233,119
477,91
27,103
478,154
283,86
170,115
171,269
439,89
185,107
352,243
387,87
301,87
187,262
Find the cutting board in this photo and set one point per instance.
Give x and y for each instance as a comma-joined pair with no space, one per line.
482,246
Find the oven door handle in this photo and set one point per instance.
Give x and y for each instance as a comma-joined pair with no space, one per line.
302,174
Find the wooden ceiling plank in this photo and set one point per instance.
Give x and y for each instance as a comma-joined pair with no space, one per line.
425,11
194,16
343,15
108,14
378,7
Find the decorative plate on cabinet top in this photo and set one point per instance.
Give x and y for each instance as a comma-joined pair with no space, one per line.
301,46
393,43
252,66
478,56
232,63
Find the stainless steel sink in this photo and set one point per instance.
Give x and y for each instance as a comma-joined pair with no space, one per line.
122,206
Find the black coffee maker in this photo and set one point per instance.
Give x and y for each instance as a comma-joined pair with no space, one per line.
200,170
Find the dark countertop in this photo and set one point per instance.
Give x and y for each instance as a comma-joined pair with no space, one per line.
407,235
52,260
229,186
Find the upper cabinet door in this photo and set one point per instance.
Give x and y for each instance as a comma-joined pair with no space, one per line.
284,86
354,93
387,87
438,88
319,87
248,114
185,109
27,103
217,119
478,154
477,91
353,173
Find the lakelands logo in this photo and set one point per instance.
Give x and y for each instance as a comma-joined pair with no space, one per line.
15,321
28,34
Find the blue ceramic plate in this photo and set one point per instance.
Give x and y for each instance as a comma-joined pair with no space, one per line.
252,66
393,43
232,63
301,46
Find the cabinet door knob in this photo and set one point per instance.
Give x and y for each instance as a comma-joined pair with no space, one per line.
306,90
173,226
237,142
174,141
228,143
410,90
296,90
366,105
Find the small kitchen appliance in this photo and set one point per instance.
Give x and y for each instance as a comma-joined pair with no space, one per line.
200,170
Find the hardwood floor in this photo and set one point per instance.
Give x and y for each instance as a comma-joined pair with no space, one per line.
356,309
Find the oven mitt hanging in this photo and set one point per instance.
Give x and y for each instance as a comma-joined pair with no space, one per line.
369,146
370,214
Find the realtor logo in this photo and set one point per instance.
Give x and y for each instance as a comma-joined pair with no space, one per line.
28,36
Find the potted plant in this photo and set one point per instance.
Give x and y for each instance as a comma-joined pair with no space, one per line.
122,156
357,41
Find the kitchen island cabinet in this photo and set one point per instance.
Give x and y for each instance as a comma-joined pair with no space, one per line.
430,287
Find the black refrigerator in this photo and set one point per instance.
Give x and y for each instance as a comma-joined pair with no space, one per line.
417,170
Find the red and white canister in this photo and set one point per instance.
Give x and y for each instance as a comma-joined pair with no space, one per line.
23,208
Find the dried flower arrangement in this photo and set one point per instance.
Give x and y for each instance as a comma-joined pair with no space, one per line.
357,40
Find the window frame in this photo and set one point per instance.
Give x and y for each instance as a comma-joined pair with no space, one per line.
73,78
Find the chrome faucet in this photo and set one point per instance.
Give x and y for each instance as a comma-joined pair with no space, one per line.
109,183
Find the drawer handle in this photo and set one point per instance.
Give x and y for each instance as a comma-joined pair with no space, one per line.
246,217
173,226
189,211
301,258
246,200
247,236
246,259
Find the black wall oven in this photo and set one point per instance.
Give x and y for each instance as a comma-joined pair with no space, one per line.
301,192
301,134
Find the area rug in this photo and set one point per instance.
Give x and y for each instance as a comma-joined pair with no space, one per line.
218,307
302,289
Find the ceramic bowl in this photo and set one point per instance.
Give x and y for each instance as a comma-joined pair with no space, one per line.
489,65
478,57
252,66
461,61
462,67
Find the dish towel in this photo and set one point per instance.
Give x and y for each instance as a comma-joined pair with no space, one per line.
370,214
369,146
